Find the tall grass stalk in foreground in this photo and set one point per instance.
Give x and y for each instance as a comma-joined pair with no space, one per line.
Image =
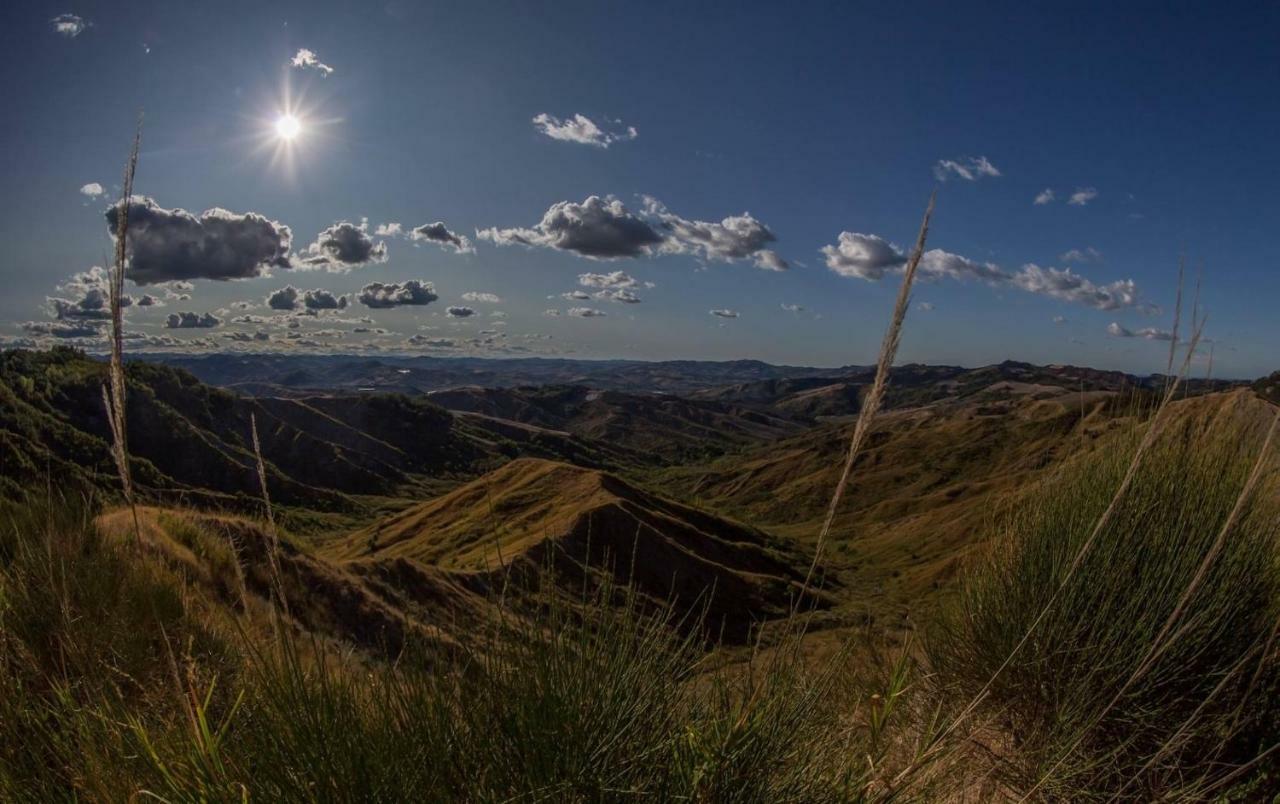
871,403
113,397
273,548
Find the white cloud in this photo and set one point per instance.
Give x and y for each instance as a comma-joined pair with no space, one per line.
551,313
92,189
863,256
391,229
1059,319
925,307
614,279
69,25
586,312
598,229
793,308
1115,330
969,168
186,320
620,295
382,295
307,60
1072,287
582,130
737,237
1045,196
1089,254
1082,196
724,313
476,296
439,234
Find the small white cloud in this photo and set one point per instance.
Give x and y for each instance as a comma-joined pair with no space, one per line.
92,189
793,308
925,307
477,296
1149,333
969,168
307,60
391,229
582,130
69,25
724,313
1045,196
586,312
1082,196
1059,319
551,313
1089,254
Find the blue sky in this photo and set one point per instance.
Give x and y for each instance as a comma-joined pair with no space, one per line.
816,119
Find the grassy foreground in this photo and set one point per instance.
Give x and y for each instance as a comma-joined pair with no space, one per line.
1109,648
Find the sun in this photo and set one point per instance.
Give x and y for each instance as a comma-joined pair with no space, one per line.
288,127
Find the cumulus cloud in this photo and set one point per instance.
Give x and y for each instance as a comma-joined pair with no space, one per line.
69,25
477,296
147,300
90,296
1082,196
439,234
1149,333
286,298
582,130
863,256
92,189
1045,196
551,313
586,312
431,342
737,237
1072,287
307,60
319,299
65,329
724,313
382,295
392,229
1089,254
793,308
613,279
185,320
871,257
598,229
620,295
460,312
576,295
173,244
341,247
969,168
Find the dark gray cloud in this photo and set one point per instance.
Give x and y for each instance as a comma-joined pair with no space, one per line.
318,299
460,312
173,244
396,294
286,298
440,234
341,247
147,300
186,320
598,228
90,296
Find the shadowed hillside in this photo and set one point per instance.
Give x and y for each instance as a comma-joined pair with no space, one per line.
532,513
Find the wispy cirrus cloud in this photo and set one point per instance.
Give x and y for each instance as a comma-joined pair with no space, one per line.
582,130
967,168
